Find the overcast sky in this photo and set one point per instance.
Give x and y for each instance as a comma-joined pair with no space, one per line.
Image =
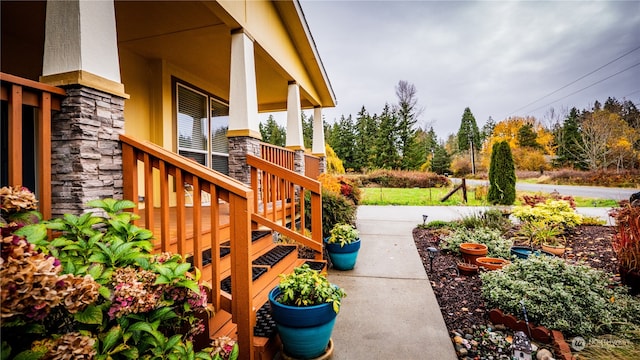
495,57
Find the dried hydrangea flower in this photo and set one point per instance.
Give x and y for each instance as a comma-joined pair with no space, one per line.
17,198
70,346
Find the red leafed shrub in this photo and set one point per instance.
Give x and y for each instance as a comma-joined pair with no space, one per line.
532,200
626,242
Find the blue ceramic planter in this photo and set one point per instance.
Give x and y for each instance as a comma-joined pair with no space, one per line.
343,257
523,252
304,331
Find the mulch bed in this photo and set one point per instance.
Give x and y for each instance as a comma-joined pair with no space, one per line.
459,296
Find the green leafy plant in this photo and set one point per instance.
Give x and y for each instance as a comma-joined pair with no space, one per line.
491,218
438,224
343,234
574,299
540,232
307,287
497,245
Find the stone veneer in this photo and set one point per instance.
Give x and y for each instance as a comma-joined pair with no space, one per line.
298,161
323,164
239,147
86,156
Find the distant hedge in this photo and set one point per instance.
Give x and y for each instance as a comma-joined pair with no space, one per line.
401,179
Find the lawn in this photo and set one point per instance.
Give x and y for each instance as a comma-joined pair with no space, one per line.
432,196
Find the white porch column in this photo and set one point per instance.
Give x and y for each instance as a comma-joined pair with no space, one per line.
243,96
244,131
295,140
81,55
294,118
81,46
317,148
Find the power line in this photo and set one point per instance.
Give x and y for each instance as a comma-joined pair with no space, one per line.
575,81
588,86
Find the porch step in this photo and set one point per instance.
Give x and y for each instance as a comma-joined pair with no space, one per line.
206,256
225,284
316,265
265,325
274,255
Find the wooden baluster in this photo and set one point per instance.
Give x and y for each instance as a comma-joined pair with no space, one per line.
44,155
15,136
197,223
165,237
148,193
181,230
130,177
215,247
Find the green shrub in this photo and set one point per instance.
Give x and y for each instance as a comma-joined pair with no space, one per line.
553,212
308,287
574,299
438,224
497,246
336,209
491,218
502,176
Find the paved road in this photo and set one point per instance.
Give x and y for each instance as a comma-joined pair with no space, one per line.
597,192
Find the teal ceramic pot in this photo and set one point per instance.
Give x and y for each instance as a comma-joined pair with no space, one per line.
305,331
343,257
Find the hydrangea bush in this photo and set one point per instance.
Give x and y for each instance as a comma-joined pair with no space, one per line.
95,290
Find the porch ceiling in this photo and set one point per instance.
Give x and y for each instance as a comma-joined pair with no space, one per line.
191,36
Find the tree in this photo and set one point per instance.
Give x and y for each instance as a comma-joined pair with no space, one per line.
487,130
469,136
273,133
569,142
387,156
527,137
441,160
502,175
411,153
365,138
341,139
307,130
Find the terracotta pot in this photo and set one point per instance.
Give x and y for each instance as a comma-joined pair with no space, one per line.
467,269
631,279
490,263
555,250
470,252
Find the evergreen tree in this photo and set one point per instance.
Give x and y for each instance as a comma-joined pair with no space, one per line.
502,175
307,130
469,136
387,156
527,137
341,139
411,153
487,130
570,142
441,160
364,145
272,133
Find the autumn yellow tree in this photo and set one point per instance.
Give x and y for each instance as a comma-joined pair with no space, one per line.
526,157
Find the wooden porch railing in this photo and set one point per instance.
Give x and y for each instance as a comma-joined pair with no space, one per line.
19,92
283,198
311,166
277,155
159,167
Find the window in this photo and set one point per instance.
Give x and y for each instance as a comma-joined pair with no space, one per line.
202,128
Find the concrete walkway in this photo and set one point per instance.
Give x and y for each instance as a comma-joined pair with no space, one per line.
390,311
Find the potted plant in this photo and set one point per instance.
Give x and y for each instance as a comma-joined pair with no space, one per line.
626,244
343,245
304,306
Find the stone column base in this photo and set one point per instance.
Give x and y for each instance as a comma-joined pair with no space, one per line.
239,147
86,155
298,161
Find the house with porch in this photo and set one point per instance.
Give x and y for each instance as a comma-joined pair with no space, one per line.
158,102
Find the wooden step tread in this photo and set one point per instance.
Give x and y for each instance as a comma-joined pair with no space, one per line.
274,255
257,271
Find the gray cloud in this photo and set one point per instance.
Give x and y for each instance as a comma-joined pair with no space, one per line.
493,56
